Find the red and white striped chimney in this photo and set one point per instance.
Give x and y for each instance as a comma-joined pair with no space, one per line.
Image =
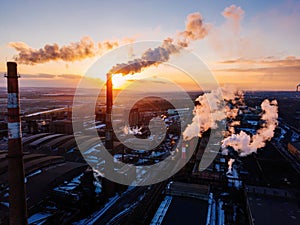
17,190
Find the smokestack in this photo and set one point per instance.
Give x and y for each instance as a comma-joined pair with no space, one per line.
109,103
109,187
17,190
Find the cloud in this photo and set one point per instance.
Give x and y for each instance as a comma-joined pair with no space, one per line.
276,69
51,76
70,76
264,73
270,67
268,61
38,76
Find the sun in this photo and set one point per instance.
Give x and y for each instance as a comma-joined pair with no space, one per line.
118,80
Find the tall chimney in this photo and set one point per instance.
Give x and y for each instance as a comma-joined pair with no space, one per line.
109,103
17,190
109,187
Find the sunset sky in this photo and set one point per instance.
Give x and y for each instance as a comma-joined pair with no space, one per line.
252,44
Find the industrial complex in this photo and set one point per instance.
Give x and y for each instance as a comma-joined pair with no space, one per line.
46,175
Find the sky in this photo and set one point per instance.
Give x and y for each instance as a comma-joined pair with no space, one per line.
251,44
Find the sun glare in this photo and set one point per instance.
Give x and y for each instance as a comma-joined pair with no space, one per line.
118,80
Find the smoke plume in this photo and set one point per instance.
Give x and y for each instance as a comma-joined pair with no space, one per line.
87,48
134,130
230,164
195,30
226,39
75,51
210,110
243,143
234,15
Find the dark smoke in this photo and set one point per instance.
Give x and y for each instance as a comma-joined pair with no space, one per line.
195,30
87,48
75,51
149,58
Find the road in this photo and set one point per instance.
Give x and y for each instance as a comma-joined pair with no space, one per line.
285,153
119,207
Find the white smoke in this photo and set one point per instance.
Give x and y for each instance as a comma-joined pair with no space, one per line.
195,29
226,39
230,164
134,130
243,143
210,110
234,14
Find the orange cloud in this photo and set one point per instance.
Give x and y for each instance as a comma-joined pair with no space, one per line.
268,73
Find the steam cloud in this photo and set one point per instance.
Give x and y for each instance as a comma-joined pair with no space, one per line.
134,130
243,143
226,39
230,164
75,51
195,30
233,12
210,110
